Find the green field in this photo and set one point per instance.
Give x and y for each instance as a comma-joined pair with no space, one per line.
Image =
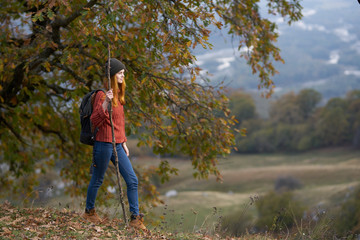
326,176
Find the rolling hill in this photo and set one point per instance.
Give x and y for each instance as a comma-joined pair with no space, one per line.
321,51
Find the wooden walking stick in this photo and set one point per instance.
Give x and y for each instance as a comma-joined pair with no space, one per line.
114,147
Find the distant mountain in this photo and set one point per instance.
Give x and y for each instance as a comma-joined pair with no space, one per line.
322,51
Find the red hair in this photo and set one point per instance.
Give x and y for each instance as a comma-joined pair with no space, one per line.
118,90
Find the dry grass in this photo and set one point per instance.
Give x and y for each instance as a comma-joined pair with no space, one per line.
326,176
254,173
206,198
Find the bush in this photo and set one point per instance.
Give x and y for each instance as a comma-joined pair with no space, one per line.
237,223
285,136
263,140
287,183
317,224
305,143
278,211
348,218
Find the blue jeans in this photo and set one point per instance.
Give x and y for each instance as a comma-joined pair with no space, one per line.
102,154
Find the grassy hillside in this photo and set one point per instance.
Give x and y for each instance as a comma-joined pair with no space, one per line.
197,207
326,176
52,223
254,173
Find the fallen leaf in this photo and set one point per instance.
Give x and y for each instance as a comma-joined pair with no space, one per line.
76,225
46,226
6,218
6,230
17,220
98,229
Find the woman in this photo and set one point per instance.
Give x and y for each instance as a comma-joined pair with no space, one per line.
103,148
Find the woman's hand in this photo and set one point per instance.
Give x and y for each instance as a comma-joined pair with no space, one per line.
108,97
125,149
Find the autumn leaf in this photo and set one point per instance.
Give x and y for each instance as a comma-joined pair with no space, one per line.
57,55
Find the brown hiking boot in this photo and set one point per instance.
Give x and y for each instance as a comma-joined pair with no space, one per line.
91,215
137,222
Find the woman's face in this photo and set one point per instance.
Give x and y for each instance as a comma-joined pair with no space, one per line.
120,76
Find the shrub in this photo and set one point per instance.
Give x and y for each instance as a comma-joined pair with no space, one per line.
237,223
263,140
287,183
278,211
348,218
285,136
317,224
305,143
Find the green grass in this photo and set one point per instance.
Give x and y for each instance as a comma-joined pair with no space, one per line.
51,223
326,176
246,173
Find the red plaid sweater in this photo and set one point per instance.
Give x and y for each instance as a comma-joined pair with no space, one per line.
100,118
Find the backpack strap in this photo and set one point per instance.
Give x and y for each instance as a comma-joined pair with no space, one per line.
94,95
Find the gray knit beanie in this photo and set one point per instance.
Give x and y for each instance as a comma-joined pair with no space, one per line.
115,67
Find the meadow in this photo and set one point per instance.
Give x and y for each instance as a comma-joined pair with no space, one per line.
327,176
194,208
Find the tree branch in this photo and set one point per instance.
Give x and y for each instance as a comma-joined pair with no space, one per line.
11,88
48,130
70,71
63,22
17,135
